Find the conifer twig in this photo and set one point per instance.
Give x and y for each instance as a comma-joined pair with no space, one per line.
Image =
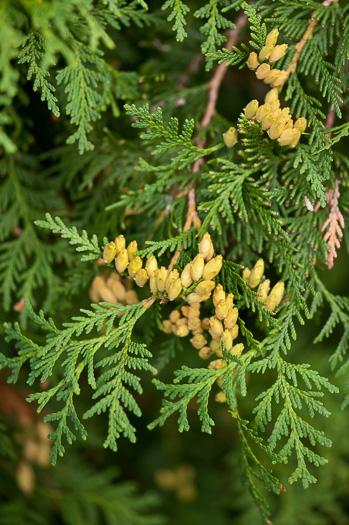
335,221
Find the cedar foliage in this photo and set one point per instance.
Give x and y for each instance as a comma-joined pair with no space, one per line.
112,148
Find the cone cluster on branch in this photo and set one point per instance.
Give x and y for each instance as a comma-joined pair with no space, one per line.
271,298
112,289
277,122
271,53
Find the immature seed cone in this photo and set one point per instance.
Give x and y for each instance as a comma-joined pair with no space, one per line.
231,318
263,71
265,52
277,53
167,326
216,327
213,267
161,277
174,290
272,76
221,310
194,323
182,330
204,287
262,112
198,341
271,96
218,294
186,278
252,61
132,248
175,315
230,137
206,247
141,277
134,266
288,136
205,352
121,261
251,109
153,281
151,265
226,340
237,350
263,290
257,273
109,252
120,244
197,267
301,124
194,310
272,37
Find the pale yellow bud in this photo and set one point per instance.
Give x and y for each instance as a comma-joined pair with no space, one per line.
263,290
252,61
121,261
270,303
234,331
251,109
216,326
153,281
213,267
301,124
268,121
272,37
198,331
172,276
186,278
185,310
274,105
161,277
226,340
231,318
221,309
257,273
109,252
182,320
167,326
205,352
206,247
272,76
175,315
107,295
246,274
265,52
262,112
272,96
193,310
215,345
134,266
194,323
193,298
277,53
120,244
281,79
263,71
220,397
147,303
205,323
151,265
132,248
217,364
230,300
237,350
141,277
276,129
288,136
218,294
118,290
230,137
174,290
182,330
295,140
25,477
131,297
197,267
205,287
97,283
288,125
278,291
198,341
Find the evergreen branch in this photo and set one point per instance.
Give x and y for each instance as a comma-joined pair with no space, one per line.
179,10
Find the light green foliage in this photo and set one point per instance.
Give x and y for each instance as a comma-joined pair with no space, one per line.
115,149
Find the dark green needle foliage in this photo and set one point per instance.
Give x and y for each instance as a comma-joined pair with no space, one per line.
112,115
